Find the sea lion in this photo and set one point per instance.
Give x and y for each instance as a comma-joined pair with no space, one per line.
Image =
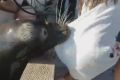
21,40
14,37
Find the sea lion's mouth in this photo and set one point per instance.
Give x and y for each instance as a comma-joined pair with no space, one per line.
66,33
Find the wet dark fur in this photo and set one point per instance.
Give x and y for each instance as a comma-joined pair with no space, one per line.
10,49
27,49
14,50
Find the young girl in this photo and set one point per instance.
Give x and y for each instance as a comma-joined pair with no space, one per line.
91,48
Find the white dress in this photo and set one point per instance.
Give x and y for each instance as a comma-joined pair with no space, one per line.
87,51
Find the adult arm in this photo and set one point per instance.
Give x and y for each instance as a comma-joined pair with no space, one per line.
8,5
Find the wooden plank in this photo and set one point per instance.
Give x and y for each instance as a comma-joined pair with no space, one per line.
38,71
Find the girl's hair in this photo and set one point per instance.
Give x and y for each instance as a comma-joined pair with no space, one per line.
93,3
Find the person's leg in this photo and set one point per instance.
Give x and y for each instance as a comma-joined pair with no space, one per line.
117,67
117,71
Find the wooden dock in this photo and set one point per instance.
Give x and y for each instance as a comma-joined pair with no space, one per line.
35,71
47,67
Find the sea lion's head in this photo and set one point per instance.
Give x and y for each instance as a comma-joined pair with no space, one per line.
42,34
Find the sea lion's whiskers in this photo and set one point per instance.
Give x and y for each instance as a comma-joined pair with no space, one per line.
63,18
56,12
67,15
64,14
68,21
60,12
66,18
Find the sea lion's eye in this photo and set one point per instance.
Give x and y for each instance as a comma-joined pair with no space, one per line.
44,33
